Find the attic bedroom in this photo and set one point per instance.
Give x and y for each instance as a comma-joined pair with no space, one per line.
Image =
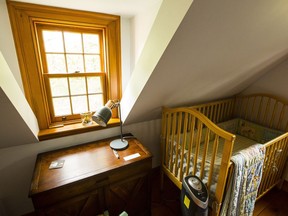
173,54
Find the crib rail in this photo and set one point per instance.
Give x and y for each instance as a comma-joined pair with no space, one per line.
274,164
263,109
187,135
217,111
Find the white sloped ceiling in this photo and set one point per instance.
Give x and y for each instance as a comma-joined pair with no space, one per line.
18,122
220,48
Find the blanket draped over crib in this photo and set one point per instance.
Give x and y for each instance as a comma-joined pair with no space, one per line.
242,190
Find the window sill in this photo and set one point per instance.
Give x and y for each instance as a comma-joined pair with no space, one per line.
73,129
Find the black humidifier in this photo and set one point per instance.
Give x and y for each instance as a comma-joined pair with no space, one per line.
194,197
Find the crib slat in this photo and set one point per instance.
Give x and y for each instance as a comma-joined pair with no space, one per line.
172,163
215,149
171,143
192,138
212,113
273,115
253,105
246,108
197,145
280,162
179,121
183,144
269,167
266,111
223,110
259,109
286,128
283,155
274,170
206,143
219,112
273,167
266,170
281,117
223,173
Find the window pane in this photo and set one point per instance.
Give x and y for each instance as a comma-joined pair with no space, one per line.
79,104
94,85
56,63
77,85
95,101
75,63
92,63
59,87
91,43
61,106
73,42
53,41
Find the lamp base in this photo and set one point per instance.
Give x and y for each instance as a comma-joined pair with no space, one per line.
119,144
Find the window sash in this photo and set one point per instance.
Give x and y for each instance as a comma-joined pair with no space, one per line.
69,115
74,116
42,26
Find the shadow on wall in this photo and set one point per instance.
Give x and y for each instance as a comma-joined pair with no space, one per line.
148,133
14,187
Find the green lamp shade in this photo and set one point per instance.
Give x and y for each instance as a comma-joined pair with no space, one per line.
102,116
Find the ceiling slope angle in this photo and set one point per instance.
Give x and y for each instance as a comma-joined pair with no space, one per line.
168,19
220,48
18,123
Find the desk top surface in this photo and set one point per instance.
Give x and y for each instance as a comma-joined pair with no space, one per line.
81,162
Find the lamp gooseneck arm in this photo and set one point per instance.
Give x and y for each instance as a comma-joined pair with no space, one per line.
121,130
111,104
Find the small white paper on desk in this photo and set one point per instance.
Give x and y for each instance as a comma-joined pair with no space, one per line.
57,164
129,157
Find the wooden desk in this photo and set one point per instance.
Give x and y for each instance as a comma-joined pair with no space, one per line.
93,180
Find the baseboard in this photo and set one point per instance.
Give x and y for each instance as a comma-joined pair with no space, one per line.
285,186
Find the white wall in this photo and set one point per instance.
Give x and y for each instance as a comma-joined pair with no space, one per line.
7,43
125,51
274,82
140,28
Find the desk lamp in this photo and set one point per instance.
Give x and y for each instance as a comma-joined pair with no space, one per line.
103,115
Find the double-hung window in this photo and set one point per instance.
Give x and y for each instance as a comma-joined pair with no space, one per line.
69,62
73,70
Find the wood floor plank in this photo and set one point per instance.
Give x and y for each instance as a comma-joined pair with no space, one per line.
273,203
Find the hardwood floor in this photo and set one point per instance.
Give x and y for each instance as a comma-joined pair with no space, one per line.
273,203
167,202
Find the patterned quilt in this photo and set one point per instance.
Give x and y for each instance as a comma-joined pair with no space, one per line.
242,191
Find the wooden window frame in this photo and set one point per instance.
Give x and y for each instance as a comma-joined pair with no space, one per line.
23,18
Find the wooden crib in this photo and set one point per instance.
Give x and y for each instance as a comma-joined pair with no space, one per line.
199,140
